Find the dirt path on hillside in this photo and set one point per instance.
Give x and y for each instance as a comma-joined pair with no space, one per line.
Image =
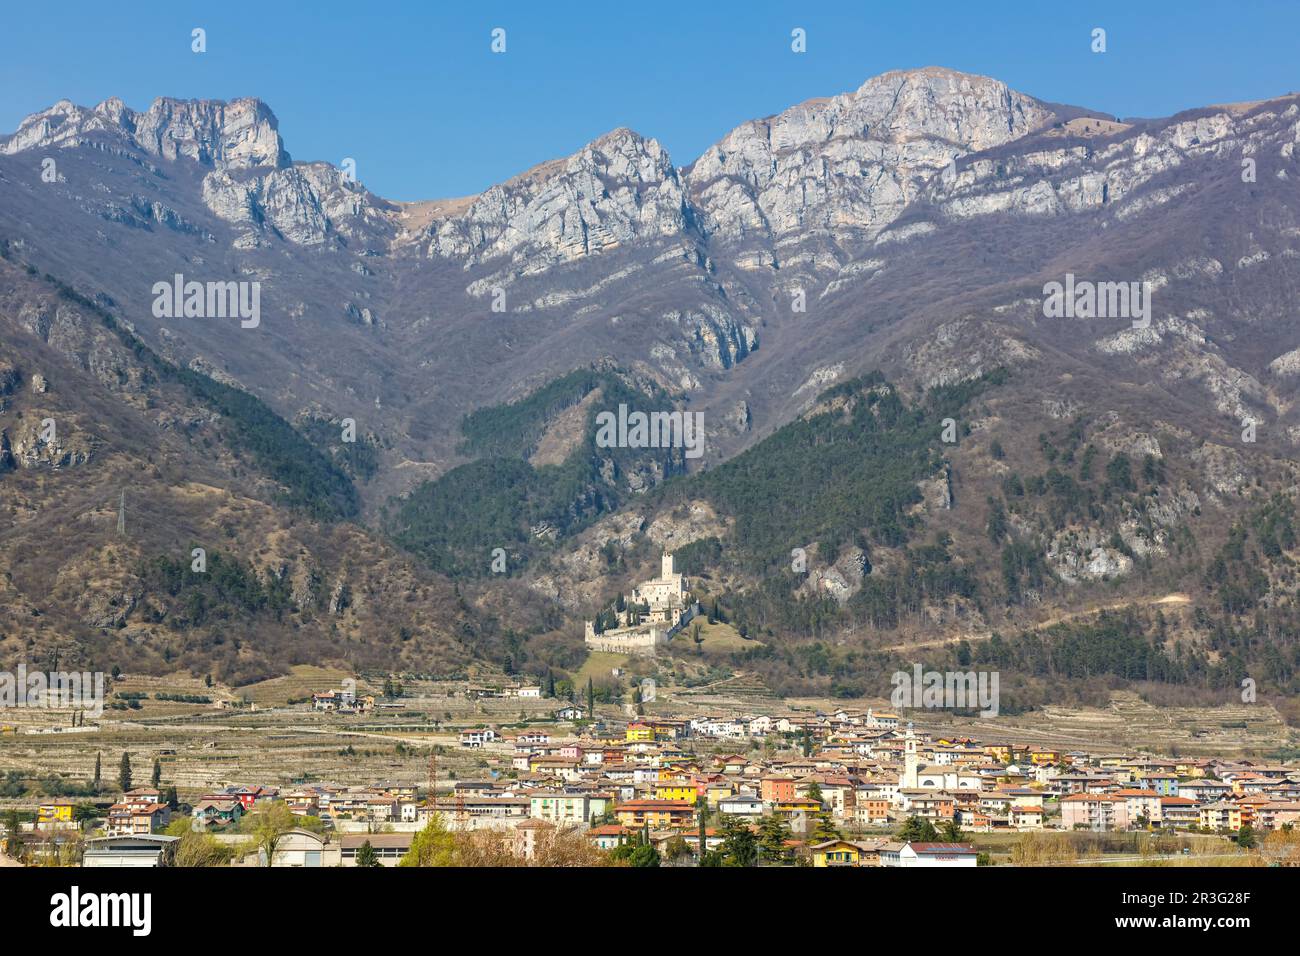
1173,599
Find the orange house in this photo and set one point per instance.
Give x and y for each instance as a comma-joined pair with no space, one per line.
777,789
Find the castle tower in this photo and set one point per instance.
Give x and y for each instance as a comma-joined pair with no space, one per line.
666,570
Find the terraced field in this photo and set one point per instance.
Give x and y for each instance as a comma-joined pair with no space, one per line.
1132,724
300,683
203,746
744,693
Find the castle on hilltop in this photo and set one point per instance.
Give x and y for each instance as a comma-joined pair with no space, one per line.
657,610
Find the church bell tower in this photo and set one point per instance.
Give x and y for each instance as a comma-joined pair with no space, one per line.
910,779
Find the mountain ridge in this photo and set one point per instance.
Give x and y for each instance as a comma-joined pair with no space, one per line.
242,134
845,237
203,121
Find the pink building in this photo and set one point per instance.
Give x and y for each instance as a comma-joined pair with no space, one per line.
1094,811
1141,803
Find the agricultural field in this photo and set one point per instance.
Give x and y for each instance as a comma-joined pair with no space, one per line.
253,734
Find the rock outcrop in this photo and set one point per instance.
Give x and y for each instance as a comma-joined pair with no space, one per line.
619,188
253,183
240,134
853,162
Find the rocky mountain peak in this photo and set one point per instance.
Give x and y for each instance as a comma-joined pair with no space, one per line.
851,163
619,187
116,112
65,124
240,134
975,112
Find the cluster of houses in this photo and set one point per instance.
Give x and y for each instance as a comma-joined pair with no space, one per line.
142,810
863,770
342,701
858,774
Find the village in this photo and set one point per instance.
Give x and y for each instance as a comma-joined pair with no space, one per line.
290,773
842,788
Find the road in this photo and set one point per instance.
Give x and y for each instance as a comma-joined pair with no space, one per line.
1175,599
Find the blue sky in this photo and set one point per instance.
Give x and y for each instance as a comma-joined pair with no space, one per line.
414,93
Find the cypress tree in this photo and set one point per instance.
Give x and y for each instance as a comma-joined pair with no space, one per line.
124,772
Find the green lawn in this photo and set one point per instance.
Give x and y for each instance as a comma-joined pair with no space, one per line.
598,665
722,638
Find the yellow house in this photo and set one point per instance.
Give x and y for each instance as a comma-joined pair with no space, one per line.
676,790
1041,757
1220,816
810,807
53,813
640,733
677,772
843,853
719,791
635,814
999,752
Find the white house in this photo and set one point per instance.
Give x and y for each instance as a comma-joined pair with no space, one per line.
477,738
928,855
882,720
742,805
